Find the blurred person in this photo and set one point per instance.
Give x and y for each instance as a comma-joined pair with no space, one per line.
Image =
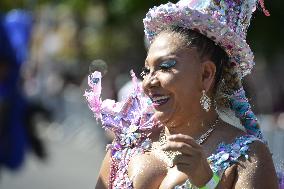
17,132
174,136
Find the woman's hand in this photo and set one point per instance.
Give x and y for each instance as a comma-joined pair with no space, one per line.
192,160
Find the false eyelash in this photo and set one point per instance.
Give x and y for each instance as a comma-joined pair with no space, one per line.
169,64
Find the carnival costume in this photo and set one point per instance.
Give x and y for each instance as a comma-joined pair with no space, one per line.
223,21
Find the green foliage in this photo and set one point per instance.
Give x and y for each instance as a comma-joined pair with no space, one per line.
122,27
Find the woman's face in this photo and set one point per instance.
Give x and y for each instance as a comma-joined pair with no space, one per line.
173,79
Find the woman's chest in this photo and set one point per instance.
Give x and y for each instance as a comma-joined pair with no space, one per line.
147,171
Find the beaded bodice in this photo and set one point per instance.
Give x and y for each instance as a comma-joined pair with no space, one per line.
225,156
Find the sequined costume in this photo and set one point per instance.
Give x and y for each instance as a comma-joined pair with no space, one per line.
132,121
226,155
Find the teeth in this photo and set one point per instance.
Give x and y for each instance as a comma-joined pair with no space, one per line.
159,98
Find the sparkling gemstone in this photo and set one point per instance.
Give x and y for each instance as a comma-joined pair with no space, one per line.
223,31
243,65
95,80
133,128
196,23
225,156
206,105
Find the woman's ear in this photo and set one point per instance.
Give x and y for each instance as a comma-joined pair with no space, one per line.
208,74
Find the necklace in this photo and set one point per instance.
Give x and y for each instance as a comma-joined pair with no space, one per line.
168,156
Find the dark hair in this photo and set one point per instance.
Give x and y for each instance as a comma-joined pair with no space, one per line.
206,48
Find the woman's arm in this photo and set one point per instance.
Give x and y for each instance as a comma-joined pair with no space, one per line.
258,171
103,179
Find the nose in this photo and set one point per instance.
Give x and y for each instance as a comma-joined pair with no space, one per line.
150,81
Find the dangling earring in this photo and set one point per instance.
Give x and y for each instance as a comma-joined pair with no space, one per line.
205,101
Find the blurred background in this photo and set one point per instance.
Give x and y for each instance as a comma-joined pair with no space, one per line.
48,136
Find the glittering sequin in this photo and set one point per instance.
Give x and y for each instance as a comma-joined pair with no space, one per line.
242,109
132,121
223,21
225,156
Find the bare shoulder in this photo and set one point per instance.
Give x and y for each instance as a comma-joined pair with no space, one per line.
227,133
258,170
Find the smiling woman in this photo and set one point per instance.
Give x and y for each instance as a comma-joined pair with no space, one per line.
197,58
179,85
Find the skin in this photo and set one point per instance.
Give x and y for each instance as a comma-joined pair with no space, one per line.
183,118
